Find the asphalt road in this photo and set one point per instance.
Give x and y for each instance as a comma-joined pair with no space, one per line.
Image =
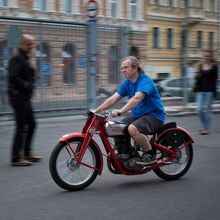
29,193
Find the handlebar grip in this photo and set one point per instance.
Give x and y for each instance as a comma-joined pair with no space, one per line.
119,114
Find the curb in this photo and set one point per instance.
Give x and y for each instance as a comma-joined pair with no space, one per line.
171,111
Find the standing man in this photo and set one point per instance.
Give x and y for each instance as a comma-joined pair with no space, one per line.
146,107
21,77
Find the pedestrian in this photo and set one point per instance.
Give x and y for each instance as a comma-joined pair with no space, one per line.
21,77
205,88
147,110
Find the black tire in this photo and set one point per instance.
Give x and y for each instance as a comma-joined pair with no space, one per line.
63,169
165,172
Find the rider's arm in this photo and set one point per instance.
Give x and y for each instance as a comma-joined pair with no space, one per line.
134,101
109,102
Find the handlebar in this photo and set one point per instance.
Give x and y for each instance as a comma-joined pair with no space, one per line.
102,114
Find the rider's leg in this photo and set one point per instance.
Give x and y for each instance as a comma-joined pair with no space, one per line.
139,138
138,131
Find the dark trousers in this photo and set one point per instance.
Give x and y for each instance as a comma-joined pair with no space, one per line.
25,126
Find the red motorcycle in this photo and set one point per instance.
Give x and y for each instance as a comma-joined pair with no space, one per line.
77,159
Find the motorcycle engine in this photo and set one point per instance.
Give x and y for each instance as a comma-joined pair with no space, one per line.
127,153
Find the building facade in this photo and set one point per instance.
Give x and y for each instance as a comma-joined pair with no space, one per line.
169,48
153,30
60,29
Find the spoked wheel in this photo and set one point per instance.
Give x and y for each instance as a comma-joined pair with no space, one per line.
176,168
65,170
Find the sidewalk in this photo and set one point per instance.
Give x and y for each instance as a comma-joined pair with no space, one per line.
173,107
189,110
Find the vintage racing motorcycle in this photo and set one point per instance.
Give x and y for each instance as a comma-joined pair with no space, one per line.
77,159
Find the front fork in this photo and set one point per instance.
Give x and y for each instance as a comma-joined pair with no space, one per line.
81,149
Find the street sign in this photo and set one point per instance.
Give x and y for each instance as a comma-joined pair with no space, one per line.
82,62
45,69
6,53
91,9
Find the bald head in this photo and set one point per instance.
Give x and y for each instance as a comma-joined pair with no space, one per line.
27,43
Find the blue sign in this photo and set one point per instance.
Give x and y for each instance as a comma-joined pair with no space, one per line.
45,69
82,62
93,21
6,53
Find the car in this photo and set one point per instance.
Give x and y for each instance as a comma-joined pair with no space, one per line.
172,87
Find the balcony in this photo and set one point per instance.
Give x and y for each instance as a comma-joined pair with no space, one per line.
195,15
194,54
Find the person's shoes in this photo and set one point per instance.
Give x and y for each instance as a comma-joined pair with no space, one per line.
21,163
33,158
147,159
203,131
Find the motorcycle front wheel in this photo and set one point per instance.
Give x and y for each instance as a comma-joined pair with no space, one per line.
65,170
176,168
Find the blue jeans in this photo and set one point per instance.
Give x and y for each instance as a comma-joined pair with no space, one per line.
204,108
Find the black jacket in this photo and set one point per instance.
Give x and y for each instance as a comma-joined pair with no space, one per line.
206,80
21,77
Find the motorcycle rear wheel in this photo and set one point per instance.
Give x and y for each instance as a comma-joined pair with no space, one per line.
66,172
176,168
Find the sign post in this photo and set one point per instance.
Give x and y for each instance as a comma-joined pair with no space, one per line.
91,12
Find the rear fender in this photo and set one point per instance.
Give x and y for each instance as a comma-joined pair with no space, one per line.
67,137
186,134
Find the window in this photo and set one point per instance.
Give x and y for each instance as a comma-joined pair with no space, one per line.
156,37
43,69
211,40
199,39
3,3
169,38
113,8
114,64
4,52
68,55
42,5
176,83
134,52
184,38
212,5
155,2
133,9
171,3
199,4
67,6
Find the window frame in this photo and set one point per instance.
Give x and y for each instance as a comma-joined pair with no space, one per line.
5,3
211,39
67,6
44,4
130,7
199,39
111,2
156,38
170,38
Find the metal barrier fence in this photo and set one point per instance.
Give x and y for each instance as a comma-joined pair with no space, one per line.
60,60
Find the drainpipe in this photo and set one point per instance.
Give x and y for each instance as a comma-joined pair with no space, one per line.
218,41
185,56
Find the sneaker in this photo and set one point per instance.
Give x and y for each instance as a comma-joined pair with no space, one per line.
147,159
33,158
21,163
203,131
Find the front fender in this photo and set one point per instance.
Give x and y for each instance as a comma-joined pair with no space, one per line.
67,137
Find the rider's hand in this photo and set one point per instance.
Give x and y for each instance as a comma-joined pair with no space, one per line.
116,113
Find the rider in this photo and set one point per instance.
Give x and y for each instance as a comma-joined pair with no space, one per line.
147,111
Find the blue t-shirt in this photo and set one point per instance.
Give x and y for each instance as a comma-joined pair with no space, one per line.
151,104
